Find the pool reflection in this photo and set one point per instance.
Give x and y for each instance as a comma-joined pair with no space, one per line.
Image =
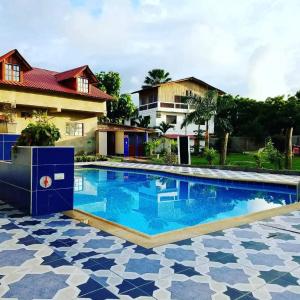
154,204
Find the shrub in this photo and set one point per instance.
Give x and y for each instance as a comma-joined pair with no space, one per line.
273,155
259,158
170,159
39,133
210,154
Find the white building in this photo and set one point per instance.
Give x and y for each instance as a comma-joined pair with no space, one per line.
164,102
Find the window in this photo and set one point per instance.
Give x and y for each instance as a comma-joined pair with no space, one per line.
8,71
171,119
78,183
188,93
74,129
158,114
16,72
83,85
26,114
12,72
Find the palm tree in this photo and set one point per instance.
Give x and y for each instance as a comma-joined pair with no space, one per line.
204,109
143,122
223,122
156,76
164,127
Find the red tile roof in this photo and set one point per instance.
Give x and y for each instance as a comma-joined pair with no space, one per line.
74,72
46,81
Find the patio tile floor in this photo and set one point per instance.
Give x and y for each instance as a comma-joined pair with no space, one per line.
54,257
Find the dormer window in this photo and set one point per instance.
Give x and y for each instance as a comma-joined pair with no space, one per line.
83,85
12,72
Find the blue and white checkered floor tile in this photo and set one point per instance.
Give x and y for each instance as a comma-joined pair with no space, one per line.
54,257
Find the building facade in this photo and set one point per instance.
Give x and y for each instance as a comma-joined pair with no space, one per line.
164,102
70,98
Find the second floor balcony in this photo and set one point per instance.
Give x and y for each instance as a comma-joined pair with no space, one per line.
166,106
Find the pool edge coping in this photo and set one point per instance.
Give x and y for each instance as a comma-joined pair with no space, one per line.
174,236
220,177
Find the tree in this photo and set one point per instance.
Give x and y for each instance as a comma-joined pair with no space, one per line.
223,122
110,83
125,108
143,122
156,76
164,127
291,117
122,107
204,109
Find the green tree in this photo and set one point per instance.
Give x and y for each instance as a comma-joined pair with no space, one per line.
125,108
110,83
223,122
164,127
156,76
143,122
204,109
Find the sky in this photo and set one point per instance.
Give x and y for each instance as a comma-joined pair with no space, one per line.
249,48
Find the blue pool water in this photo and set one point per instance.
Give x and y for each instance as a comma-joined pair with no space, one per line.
154,203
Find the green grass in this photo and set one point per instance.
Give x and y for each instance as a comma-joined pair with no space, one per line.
242,160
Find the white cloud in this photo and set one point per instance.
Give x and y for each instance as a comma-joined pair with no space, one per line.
249,47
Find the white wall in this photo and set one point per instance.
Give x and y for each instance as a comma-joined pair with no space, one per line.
101,143
180,117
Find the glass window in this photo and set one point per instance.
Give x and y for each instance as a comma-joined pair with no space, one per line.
171,119
12,72
16,72
78,183
83,85
8,71
74,129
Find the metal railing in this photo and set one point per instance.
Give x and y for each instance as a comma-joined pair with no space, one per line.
172,105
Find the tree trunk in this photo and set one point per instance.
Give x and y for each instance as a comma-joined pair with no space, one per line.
223,154
288,148
206,136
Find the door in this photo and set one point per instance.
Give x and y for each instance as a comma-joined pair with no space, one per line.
126,145
111,143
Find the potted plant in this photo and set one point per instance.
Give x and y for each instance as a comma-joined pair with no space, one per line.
39,133
8,116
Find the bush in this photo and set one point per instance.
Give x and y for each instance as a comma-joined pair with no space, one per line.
210,154
170,159
273,155
90,158
39,133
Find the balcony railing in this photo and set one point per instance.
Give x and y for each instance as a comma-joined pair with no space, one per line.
171,105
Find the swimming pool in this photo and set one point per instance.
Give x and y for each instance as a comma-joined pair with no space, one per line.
153,203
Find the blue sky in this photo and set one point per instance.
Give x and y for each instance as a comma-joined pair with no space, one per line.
248,47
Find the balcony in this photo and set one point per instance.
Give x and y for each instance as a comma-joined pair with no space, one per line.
166,106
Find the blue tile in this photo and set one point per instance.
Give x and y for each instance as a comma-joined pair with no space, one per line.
55,155
51,201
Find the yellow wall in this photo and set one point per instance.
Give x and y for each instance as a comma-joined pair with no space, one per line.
51,101
119,142
61,110
167,92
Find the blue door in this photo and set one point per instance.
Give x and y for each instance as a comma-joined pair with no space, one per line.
126,145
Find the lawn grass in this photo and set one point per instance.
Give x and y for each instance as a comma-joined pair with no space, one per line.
241,160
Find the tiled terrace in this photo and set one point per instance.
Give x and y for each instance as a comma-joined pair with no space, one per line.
205,172
55,257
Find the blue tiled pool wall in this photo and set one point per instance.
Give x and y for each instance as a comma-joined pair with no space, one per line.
20,180
291,189
7,141
47,161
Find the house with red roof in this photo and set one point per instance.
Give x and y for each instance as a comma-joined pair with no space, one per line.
70,98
